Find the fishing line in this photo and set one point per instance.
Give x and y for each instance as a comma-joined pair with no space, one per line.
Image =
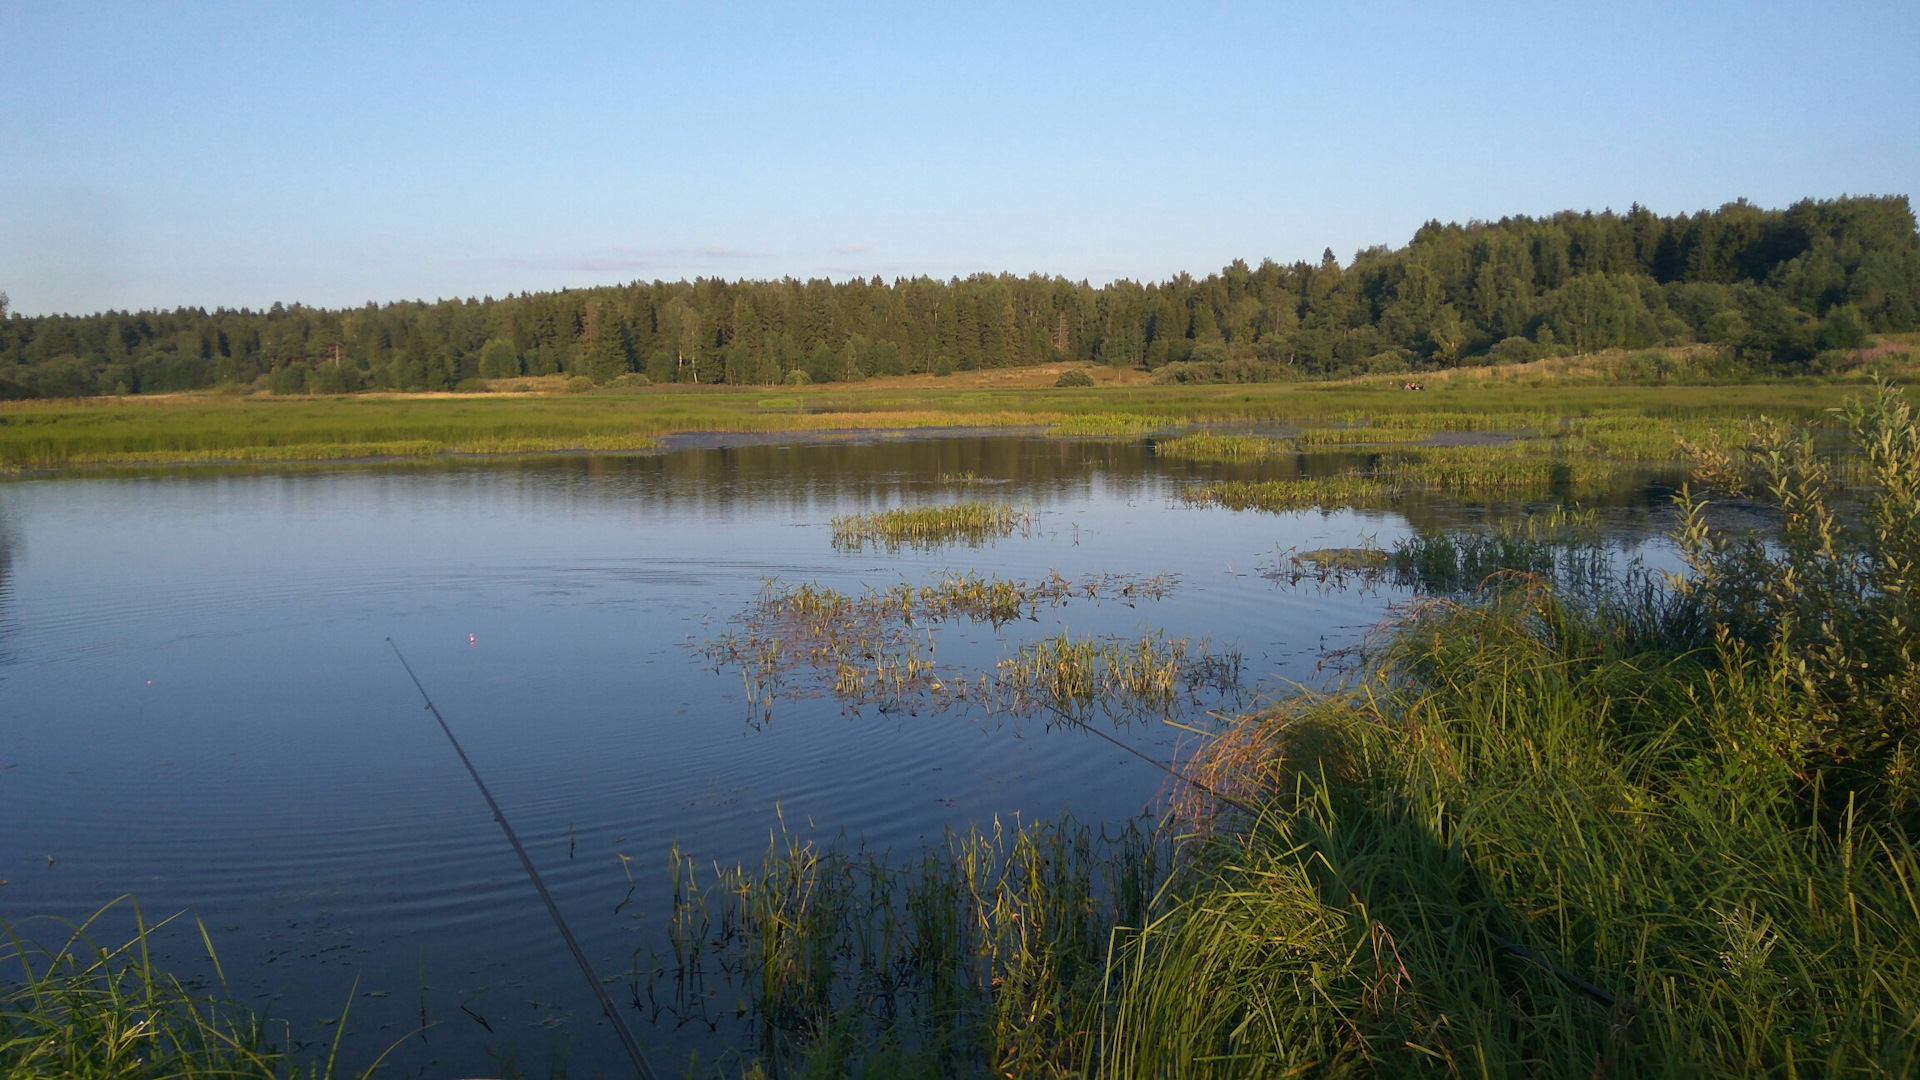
573,946
1075,721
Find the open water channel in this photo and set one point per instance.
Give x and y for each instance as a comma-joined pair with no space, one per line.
199,706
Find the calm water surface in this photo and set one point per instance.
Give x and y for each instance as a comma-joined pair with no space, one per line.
198,705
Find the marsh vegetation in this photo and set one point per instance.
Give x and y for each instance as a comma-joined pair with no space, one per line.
880,649
1629,825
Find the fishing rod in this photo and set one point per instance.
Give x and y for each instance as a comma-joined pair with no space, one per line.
606,1003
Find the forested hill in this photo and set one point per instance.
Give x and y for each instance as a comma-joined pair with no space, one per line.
1777,285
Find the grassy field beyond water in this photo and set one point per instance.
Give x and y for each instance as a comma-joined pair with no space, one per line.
211,428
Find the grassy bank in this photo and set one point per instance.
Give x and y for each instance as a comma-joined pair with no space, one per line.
1632,827
216,428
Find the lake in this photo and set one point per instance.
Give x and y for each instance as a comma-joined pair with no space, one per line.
199,705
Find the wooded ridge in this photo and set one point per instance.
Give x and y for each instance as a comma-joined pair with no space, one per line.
1777,287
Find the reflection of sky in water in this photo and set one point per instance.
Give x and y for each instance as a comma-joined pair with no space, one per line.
200,708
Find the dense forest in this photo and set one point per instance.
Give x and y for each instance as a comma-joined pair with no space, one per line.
1777,287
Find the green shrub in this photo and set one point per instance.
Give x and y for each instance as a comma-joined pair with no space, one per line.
579,384
498,360
1074,377
1513,350
288,379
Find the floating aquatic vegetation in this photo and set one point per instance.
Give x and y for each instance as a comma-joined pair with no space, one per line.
879,648
973,523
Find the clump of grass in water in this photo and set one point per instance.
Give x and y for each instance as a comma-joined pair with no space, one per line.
1221,448
1108,425
76,1009
1074,677
1323,493
983,958
878,649
972,523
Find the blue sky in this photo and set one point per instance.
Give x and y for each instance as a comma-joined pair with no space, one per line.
236,154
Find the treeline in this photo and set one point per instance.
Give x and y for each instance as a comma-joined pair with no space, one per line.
1777,287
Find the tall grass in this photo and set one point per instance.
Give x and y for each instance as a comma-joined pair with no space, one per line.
73,1008
1532,846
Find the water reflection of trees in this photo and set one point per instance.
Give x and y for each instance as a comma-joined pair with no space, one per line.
9,542
1015,468
871,471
